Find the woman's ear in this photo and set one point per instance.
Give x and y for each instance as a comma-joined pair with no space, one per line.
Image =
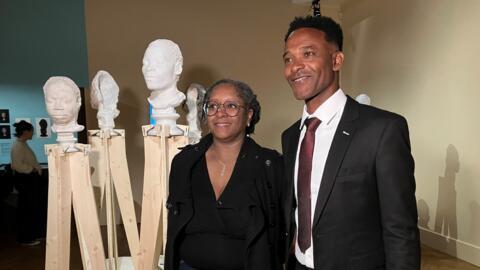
249,116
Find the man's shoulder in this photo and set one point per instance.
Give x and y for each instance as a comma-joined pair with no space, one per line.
374,114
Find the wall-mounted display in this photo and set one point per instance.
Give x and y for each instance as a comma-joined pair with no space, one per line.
42,127
5,132
4,116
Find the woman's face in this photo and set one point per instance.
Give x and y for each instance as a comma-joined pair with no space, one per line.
223,126
29,134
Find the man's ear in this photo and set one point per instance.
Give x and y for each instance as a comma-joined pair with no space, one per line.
337,59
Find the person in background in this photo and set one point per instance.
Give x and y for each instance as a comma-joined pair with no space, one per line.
27,181
224,200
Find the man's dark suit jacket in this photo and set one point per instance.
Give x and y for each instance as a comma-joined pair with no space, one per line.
366,214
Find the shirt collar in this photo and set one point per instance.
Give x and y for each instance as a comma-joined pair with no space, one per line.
327,111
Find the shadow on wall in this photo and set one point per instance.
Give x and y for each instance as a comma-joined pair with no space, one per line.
475,222
423,214
446,217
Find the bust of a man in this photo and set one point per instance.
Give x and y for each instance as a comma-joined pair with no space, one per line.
104,98
162,66
195,95
63,101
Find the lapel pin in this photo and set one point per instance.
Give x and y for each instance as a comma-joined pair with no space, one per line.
346,133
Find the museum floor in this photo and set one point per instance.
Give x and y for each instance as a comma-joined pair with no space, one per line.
14,256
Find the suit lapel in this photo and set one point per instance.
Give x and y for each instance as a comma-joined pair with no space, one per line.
341,141
290,155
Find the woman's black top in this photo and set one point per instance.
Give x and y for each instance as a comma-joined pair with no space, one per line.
215,236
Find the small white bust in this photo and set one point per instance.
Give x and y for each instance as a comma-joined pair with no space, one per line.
195,95
162,66
104,98
363,99
63,101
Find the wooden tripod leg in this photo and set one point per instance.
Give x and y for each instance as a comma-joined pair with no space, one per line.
121,180
174,145
151,204
98,162
86,212
110,209
159,152
59,211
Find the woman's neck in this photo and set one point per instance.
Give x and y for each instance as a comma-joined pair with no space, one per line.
227,149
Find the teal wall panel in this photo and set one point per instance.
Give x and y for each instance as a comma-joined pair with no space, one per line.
38,39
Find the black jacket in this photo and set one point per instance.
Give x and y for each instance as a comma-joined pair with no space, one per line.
366,214
264,240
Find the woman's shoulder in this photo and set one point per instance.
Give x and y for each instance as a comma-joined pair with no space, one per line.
268,153
190,151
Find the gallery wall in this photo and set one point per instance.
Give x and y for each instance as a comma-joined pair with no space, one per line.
420,59
39,39
241,40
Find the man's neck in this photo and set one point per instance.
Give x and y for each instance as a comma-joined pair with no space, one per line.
315,102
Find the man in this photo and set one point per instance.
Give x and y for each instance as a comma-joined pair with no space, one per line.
351,189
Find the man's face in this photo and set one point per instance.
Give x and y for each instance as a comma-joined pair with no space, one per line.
62,104
311,66
158,69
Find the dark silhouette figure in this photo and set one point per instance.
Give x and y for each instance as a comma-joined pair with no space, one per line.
475,222
446,217
43,127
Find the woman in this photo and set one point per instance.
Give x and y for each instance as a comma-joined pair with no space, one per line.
27,172
224,200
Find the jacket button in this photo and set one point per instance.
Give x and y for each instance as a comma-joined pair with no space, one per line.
175,212
268,162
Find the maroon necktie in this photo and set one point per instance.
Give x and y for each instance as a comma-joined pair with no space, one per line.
303,184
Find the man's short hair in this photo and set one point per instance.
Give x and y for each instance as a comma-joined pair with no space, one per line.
333,31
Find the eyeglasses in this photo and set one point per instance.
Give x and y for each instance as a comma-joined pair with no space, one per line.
230,108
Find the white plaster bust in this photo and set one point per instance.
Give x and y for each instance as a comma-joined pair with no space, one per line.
104,98
63,101
162,66
363,99
195,95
